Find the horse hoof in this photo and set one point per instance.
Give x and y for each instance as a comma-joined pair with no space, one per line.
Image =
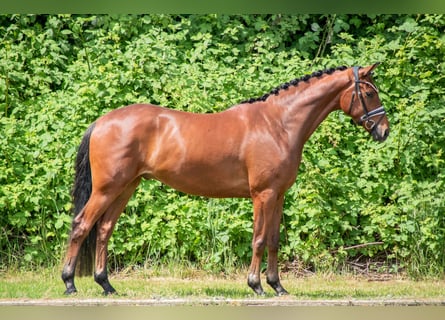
282,293
69,292
110,293
258,290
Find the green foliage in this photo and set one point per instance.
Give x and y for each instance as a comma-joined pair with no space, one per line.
58,73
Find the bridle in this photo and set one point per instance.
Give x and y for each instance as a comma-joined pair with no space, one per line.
370,124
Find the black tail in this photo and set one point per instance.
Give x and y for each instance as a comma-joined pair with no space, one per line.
81,194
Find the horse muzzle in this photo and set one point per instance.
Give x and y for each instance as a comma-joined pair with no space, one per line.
380,132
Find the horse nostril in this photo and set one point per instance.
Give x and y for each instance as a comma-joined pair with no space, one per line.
386,133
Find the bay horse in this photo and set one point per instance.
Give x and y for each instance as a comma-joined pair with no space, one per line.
252,149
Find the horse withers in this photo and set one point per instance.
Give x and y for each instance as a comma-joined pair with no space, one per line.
252,149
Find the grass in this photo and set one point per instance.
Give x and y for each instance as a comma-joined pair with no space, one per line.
196,284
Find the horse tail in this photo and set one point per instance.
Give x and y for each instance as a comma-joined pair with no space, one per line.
81,193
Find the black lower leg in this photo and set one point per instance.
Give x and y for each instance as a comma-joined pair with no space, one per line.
274,282
68,279
102,279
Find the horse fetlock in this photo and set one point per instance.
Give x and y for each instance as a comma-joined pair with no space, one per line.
254,282
102,279
275,283
69,284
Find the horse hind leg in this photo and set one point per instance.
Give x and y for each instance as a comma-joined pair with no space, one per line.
82,225
105,227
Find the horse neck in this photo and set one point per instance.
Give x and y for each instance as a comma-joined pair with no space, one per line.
308,104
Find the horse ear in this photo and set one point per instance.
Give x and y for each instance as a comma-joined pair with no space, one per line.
368,70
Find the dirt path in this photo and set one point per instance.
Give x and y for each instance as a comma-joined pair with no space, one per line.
220,302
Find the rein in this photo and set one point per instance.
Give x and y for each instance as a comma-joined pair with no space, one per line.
366,117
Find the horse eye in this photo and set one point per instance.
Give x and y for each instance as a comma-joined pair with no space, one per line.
369,94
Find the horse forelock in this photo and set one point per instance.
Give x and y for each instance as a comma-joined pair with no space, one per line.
295,82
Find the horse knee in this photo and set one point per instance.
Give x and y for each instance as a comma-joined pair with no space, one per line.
259,243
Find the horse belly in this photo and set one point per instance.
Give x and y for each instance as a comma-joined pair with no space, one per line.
206,180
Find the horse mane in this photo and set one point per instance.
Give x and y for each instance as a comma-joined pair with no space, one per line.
294,83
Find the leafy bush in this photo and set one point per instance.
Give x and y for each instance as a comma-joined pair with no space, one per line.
60,72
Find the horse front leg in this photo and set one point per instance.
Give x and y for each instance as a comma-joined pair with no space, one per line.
258,246
263,205
273,239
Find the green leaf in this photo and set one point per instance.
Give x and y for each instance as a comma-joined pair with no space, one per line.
410,25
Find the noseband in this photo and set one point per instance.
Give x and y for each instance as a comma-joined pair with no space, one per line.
366,117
